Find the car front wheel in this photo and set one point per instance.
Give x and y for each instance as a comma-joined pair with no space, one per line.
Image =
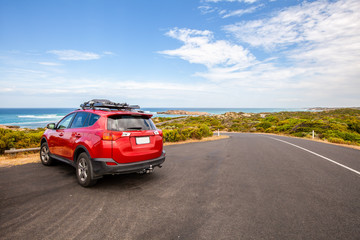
84,171
45,155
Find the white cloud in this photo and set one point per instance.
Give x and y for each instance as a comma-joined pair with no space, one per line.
205,9
74,55
314,49
239,12
321,38
50,63
245,1
6,90
314,22
200,47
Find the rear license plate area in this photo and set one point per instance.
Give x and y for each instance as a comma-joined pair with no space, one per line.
142,140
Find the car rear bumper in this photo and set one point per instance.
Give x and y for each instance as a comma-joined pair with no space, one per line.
100,167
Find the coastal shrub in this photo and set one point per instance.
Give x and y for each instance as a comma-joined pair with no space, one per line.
340,125
347,136
175,135
299,134
264,125
337,140
309,125
19,139
171,135
354,126
205,131
271,129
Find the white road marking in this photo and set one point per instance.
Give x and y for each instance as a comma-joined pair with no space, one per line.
316,154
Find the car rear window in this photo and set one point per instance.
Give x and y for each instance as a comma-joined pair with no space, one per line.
79,120
91,120
129,122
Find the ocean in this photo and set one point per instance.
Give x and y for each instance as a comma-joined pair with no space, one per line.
40,117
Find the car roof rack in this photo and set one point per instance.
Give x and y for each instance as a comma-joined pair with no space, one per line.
103,104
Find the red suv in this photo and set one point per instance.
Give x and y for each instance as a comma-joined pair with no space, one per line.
104,138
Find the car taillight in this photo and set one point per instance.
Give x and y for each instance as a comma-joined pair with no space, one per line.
158,132
113,136
107,136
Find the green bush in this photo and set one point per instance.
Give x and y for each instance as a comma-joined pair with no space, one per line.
264,125
346,136
19,139
175,135
337,140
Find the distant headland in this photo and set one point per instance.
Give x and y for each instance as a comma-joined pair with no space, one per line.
183,112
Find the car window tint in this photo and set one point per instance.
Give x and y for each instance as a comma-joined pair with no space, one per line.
129,122
65,122
79,120
91,120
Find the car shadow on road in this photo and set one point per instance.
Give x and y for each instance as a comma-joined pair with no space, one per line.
131,181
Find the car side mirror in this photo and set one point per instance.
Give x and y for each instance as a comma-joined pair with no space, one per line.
50,126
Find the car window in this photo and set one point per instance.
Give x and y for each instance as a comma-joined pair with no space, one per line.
79,120
129,122
91,120
65,122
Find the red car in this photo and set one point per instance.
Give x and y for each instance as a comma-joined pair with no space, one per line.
104,138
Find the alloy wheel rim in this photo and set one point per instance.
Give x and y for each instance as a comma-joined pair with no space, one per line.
82,170
45,154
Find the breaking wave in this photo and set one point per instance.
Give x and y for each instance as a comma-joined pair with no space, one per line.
39,116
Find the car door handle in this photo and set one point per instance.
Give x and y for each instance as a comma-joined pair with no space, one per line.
61,134
77,135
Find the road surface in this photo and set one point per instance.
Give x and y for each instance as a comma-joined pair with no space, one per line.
248,186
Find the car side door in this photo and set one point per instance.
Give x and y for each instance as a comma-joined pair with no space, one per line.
58,138
73,134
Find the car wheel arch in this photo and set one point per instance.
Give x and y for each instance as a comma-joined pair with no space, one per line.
80,149
43,139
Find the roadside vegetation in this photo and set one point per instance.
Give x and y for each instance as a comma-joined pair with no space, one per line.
336,126
18,139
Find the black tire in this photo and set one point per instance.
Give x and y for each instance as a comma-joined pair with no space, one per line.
45,155
84,173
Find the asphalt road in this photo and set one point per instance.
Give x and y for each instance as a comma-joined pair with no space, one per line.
249,186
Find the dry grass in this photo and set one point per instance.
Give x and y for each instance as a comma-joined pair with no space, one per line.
19,159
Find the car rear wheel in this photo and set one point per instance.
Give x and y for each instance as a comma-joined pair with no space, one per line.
84,172
45,155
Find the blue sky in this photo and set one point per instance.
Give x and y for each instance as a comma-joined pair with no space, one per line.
180,53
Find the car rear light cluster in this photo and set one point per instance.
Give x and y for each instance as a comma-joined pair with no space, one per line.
109,136
158,132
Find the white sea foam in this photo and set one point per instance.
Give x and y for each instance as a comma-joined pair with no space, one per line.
39,116
23,123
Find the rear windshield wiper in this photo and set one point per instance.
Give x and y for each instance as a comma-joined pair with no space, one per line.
138,128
